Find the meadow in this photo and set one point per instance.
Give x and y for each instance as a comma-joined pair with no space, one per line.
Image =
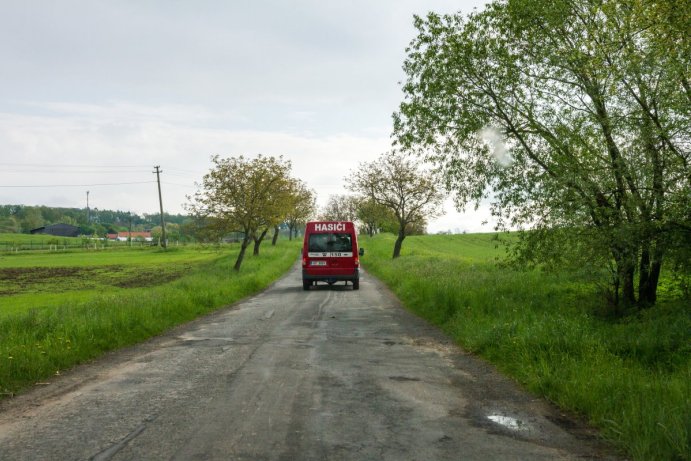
58,309
631,377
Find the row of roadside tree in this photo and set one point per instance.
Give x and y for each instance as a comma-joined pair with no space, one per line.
253,196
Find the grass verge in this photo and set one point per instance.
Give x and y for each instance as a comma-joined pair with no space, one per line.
43,333
630,378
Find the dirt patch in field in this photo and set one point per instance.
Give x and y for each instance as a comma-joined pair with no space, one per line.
14,280
146,279
31,274
17,280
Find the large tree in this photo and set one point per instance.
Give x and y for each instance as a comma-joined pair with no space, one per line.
575,113
241,194
395,182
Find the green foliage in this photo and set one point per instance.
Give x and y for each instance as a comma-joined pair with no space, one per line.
575,113
374,217
245,195
631,378
301,207
173,233
340,207
20,218
9,225
396,183
51,325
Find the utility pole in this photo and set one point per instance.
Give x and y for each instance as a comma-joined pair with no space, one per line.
160,203
88,214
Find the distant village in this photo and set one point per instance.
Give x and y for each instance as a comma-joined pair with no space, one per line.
102,224
68,230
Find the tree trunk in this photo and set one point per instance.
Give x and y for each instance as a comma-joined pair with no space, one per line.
649,297
628,294
275,237
644,272
399,242
241,256
290,233
624,278
258,241
625,273
652,247
649,276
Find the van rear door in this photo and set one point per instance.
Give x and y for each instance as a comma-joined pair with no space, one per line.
330,253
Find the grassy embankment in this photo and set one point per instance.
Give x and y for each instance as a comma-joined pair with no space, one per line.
630,378
60,309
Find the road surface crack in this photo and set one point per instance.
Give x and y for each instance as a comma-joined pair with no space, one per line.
111,451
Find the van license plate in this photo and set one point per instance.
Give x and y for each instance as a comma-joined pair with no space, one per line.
317,263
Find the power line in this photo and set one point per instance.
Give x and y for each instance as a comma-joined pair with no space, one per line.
80,185
42,168
62,170
186,171
176,184
180,175
68,165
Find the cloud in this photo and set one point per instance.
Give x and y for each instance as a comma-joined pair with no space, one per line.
469,220
100,92
89,147
120,143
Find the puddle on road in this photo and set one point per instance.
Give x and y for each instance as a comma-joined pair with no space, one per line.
403,378
508,422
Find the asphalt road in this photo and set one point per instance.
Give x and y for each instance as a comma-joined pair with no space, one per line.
291,375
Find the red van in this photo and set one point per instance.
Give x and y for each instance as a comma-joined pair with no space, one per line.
330,254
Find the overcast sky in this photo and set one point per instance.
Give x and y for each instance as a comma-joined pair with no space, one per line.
93,94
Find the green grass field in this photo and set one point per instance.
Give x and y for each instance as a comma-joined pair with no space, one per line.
61,309
631,378
36,280
14,243
36,238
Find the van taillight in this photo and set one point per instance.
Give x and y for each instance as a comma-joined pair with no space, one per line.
304,262
357,262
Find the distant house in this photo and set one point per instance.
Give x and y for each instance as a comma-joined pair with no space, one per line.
123,236
59,230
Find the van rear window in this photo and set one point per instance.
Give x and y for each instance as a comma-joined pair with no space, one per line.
330,242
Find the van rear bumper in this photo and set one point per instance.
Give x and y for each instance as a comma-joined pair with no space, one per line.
330,277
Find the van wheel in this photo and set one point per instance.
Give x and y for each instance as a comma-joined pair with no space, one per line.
356,284
306,284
